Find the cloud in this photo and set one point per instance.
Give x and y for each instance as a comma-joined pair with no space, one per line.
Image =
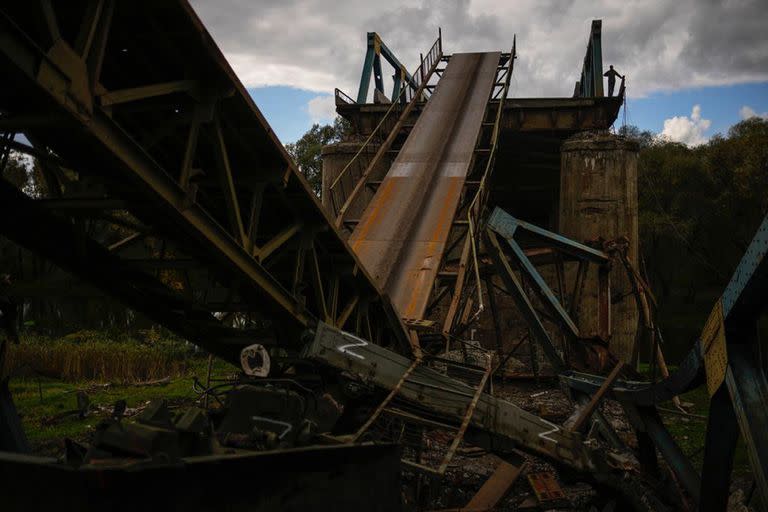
321,108
688,130
746,112
660,45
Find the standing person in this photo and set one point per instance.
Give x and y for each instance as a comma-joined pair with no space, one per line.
612,74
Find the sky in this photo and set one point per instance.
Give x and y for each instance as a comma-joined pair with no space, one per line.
694,67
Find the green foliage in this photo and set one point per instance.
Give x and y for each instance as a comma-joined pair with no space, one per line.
699,207
307,151
702,205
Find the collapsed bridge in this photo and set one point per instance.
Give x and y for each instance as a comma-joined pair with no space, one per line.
166,187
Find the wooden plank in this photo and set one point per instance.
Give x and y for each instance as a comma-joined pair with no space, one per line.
497,486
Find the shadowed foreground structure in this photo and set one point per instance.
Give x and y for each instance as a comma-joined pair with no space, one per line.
456,247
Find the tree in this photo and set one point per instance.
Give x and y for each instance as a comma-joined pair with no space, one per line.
307,151
644,138
699,208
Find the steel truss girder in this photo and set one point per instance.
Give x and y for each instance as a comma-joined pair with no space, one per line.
186,208
508,228
59,240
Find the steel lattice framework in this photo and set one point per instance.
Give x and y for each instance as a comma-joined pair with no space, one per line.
165,185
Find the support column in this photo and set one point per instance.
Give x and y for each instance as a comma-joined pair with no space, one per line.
598,199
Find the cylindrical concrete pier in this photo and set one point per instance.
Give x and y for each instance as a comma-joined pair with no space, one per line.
598,199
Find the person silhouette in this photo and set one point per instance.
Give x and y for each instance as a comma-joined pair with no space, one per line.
612,74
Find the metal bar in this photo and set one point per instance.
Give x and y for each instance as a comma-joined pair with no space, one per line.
495,314
587,411
392,394
317,283
263,252
542,289
507,226
457,290
227,184
87,30
50,20
257,200
147,91
98,46
446,397
365,77
378,79
347,311
748,390
397,65
467,417
412,418
125,241
515,288
189,153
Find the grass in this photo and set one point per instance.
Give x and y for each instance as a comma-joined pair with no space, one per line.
44,402
690,433
90,355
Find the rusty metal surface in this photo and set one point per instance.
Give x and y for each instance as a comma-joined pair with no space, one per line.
545,487
402,234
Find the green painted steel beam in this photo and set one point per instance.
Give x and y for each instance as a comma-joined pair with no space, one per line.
365,77
372,66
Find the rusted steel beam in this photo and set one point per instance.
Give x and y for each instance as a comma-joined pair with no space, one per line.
147,91
590,407
227,184
458,287
263,252
385,403
467,417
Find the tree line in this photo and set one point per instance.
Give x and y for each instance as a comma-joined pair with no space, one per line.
699,208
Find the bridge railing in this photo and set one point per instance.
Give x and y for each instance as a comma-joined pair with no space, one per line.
349,183
342,98
476,208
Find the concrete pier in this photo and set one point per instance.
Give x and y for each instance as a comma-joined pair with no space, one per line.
598,199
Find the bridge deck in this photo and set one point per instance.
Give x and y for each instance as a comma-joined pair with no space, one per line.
402,234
